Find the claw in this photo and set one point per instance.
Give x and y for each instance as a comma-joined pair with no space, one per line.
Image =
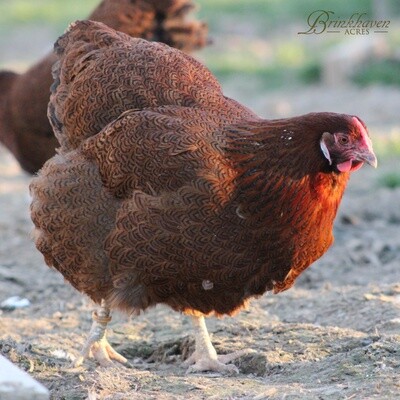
208,364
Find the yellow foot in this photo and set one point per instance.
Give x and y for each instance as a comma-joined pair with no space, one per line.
103,353
97,344
200,362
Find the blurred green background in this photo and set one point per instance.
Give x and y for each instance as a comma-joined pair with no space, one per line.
254,38
258,55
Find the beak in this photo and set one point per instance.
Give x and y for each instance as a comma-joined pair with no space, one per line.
368,156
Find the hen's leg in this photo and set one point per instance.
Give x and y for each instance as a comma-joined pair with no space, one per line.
205,357
97,343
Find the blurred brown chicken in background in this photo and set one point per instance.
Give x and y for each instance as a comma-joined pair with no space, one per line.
24,127
166,191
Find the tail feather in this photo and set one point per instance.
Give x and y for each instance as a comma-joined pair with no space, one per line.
185,36
101,73
180,32
155,20
75,49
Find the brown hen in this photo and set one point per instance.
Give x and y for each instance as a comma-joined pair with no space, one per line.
166,191
24,127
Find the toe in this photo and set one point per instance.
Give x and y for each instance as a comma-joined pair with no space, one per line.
207,364
190,360
100,354
103,353
227,358
78,362
114,355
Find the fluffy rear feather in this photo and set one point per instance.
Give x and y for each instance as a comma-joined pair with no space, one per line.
151,75
24,127
155,20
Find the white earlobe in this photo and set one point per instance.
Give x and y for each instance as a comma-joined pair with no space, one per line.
325,150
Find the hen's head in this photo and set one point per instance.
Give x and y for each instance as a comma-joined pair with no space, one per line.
348,148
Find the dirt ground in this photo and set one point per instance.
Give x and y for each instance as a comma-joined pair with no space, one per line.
335,335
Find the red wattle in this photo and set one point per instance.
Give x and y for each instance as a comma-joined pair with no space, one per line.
344,166
349,166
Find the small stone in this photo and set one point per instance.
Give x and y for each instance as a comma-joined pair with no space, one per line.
57,315
14,302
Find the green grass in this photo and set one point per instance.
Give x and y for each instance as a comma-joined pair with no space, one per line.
264,47
264,79
268,12
54,12
390,180
273,64
386,71
387,150
248,63
310,72
387,146
292,59
277,12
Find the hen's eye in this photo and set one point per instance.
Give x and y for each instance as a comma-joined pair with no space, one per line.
343,140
